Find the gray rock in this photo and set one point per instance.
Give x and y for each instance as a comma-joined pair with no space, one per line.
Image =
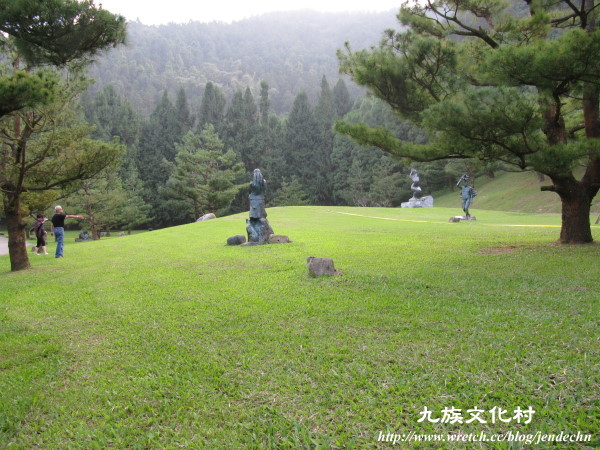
319,267
424,202
236,240
84,236
459,218
278,239
206,217
258,230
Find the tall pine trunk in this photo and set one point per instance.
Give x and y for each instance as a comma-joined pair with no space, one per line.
574,195
16,236
576,203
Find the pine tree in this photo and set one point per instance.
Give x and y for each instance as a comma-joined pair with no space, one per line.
184,115
156,149
325,116
242,130
341,98
301,137
519,86
212,108
204,177
44,34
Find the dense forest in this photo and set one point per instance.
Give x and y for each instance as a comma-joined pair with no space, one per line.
291,51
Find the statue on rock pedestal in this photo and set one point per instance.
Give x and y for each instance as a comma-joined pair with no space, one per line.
257,225
466,194
414,176
417,202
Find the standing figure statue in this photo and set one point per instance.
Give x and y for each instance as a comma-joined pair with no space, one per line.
414,176
258,186
466,194
257,226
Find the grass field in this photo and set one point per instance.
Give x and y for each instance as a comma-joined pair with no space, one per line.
171,338
516,191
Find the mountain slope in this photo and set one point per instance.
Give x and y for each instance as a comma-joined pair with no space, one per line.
291,51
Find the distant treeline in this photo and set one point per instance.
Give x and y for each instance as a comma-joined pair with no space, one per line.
291,51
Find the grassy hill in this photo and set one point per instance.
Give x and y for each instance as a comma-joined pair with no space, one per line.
508,191
171,338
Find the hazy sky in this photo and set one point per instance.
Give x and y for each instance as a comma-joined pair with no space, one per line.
154,12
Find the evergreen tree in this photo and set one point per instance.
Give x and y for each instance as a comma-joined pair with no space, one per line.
519,86
101,198
134,212
325,116
156,149
341,98
274,162
204,177
290,194
184,115
242,129
42,35
271,141
212,108
357,170
265,104
50,33
301,136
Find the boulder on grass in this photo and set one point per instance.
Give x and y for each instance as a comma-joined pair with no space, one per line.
238,239
278,239
319,267
206,217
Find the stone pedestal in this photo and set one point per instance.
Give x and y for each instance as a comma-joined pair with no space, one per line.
424,202
459,218
258,230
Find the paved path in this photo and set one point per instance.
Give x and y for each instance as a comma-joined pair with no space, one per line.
4,245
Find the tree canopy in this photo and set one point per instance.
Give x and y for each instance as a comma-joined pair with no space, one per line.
513,82
43,147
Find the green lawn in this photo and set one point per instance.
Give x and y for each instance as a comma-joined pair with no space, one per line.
511,191
171,338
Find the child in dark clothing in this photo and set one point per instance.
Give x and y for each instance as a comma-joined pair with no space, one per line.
40,234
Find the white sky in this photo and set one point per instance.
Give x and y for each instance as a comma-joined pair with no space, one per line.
155,12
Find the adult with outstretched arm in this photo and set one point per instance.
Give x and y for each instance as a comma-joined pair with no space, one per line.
58,229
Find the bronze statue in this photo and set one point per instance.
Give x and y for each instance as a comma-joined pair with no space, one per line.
257,226
258,186
414,176
466,194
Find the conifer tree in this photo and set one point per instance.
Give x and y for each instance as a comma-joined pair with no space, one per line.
184,115
301,137
520,86
242,129
265,104
212,108
204,177
34,100
325,116
341,98
156,149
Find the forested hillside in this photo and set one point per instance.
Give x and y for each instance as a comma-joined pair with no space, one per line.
291,51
